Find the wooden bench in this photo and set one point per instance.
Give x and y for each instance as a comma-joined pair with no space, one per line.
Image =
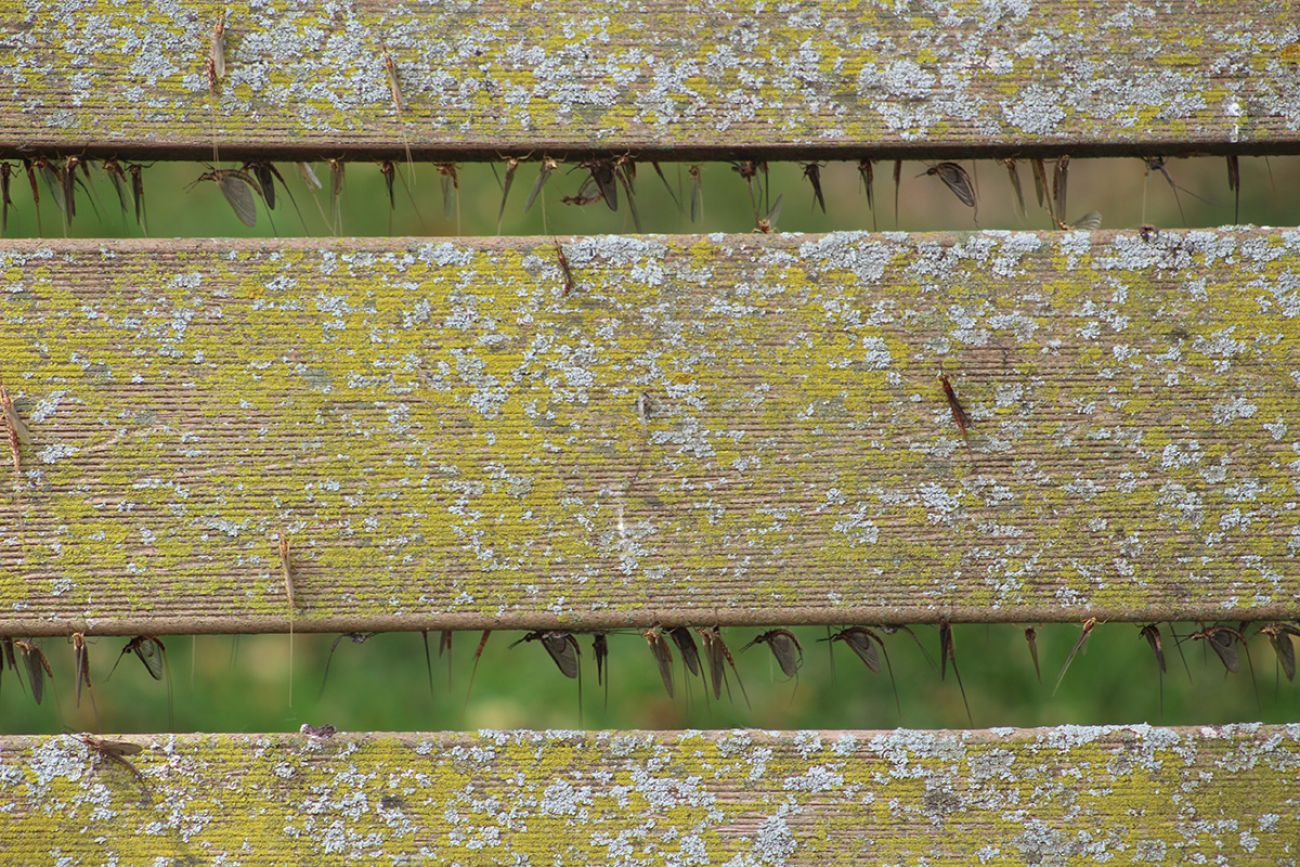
701,430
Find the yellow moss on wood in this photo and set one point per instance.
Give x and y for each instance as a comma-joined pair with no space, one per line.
732,429
504,76
1056,795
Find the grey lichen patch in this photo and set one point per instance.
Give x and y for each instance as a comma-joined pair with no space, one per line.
1108,794
504,76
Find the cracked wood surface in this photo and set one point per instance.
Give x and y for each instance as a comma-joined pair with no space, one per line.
730,429
1039,796
811,78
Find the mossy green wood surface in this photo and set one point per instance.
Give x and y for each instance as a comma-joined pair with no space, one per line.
485,78
1056,795
733,429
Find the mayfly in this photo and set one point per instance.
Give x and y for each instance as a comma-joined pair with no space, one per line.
601,171
1234,184
482,643
860,641
1279,635
1061,183
135,170
1151,632
959,415
625,172
686,646
38,667
956,179
1014,175
600,650
337,169
1157,164
9,659
238,188
29,168
399,107
6,174
16,431
81,665
355,638
1078,645
784,646
663,656
152,654
767,224
320,732
697,193
216,71
1089,222
544,171
1223,640
450,192
898,183
267,175
1040,188
565,271
868,175
428,661
512,165
444,647
947,654
813,172
117,176
286,570
1031,639
116,752
719,656
564,652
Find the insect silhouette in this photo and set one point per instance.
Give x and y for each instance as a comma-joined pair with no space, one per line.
687,647
152,654
867,173
959,415
785,648
863,642
947,654
813,172
600,649
1151,632
544,171
697,193
663,656
117,176
482,643
1223,640
450,179
355,638
337,171
238,187
1279,636
399,107
1014,175
625,173
564,652
748,171
38,667
81,665
267,176
1031,639
1078,645
898,183
512,165
8,658
428,661
956,179
1157,164
1040,188
116,753
1089,222
444,647
136,171
1060,185
719,656
6,201
1234,186
565,271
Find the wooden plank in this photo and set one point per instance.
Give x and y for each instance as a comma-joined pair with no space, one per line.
814,78
1054,796
732,429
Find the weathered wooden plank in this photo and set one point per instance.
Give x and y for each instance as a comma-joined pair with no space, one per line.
819,77
1055,796
735,429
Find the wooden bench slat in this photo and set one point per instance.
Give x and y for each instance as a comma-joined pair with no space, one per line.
1056,795
817,78
732,429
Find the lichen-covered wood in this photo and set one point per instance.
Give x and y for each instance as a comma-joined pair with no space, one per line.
724,429
1040,796
812,77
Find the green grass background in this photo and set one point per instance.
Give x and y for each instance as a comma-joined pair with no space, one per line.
218,684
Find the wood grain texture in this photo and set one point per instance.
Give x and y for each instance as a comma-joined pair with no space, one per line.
1038,796
820,77
732,429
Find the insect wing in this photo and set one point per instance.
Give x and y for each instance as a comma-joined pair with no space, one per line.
1031,638
149,651
564,650
956,179
1014,176
1285,651
1089,222
663,657
238,189
1078,645
860,642
1151,633
1223,641
785,647
686,646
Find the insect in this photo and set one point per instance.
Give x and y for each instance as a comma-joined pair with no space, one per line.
336,193
600,649
450,192
355,638
238,187
625,173
898,183
428,661
512,165
1040,188
1031,639
137,195
482,643
1089,222
1078,645
38,667
1014,176
601,172
948,653
216,69
860,640
6,174
868,176
813,172
784,646
667,186
286,569
663,656
395,90
1279,635
152,654
116,752
956,179
954,405
687,647
16,431
544,171
267,175
9,659
565,270
1234,184
444,647
1151,632
1223,641
29,168
697,193
767,224
320,731
117,176
1060,184
564,652
81,665
719,657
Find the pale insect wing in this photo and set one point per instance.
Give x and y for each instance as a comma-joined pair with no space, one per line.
787,652
859,641
956,179
239,193
149,652
1223,642
1089,222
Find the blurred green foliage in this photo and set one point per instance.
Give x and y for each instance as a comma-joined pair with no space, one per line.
220,684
